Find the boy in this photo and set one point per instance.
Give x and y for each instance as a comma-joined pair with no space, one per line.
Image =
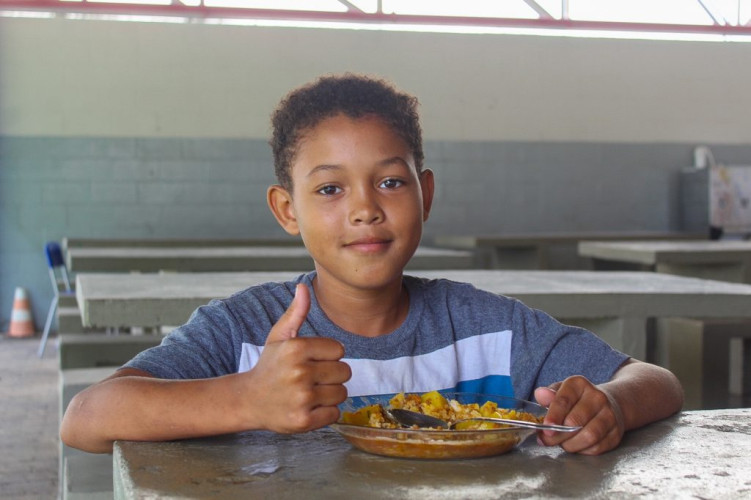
281,356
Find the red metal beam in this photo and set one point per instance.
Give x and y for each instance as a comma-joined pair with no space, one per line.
202,11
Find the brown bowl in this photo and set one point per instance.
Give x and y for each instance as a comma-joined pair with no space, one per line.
437,444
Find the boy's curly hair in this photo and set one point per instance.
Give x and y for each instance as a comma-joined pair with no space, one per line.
355,96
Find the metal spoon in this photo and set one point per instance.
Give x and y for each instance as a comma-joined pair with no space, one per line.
409,418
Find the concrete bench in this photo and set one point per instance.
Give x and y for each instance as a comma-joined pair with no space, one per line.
68,316
67,300
69,320
88,477
88,350
72,382
722,364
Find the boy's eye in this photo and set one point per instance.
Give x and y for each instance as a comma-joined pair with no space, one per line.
391,183
329,190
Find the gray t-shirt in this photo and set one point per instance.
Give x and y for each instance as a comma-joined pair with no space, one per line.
455,337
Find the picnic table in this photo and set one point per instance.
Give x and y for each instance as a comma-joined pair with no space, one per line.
617,306
725,260
544,250
74,242
696,454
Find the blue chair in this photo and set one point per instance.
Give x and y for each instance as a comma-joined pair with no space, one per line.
60,286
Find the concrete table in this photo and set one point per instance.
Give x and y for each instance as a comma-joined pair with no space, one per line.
543,250
179,242
725,260
230,258
618,302
701,454
614,305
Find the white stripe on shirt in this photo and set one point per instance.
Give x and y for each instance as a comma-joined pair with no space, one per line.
468,359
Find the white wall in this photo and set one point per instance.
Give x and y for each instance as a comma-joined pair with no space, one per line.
102,78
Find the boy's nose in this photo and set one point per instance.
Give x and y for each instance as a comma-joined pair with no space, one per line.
365,209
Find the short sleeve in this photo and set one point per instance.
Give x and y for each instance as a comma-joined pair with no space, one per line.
206,346
545,351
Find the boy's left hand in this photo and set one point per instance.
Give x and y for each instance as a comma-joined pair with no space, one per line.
576,401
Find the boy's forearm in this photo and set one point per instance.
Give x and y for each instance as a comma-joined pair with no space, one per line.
645,393
149,409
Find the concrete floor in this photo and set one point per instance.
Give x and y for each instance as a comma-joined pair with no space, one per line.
28,420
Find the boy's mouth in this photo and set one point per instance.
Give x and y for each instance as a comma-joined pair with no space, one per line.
368,244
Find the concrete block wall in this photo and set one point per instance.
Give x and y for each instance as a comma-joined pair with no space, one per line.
522,187
122,187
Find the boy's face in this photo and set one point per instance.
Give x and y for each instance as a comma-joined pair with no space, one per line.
358,202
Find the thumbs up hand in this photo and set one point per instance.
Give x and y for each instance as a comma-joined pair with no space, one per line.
293,318
297,382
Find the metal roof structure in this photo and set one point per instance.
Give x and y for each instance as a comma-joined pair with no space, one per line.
712,17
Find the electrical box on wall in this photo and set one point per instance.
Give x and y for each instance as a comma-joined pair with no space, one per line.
730,198
715,197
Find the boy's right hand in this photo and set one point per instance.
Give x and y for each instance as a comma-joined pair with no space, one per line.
298,381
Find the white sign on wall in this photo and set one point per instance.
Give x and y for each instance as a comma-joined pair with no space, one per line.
730,198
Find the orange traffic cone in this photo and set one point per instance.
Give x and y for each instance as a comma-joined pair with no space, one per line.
21,323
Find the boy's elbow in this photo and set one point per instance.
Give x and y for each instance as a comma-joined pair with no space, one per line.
671,390
75,440
76,430
679,397
670,395
650,393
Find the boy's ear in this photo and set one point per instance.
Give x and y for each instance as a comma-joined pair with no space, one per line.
280,203
427,185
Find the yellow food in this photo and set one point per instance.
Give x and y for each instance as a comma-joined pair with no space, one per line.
363,416
435,404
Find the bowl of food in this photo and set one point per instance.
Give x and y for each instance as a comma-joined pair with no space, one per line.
366,424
